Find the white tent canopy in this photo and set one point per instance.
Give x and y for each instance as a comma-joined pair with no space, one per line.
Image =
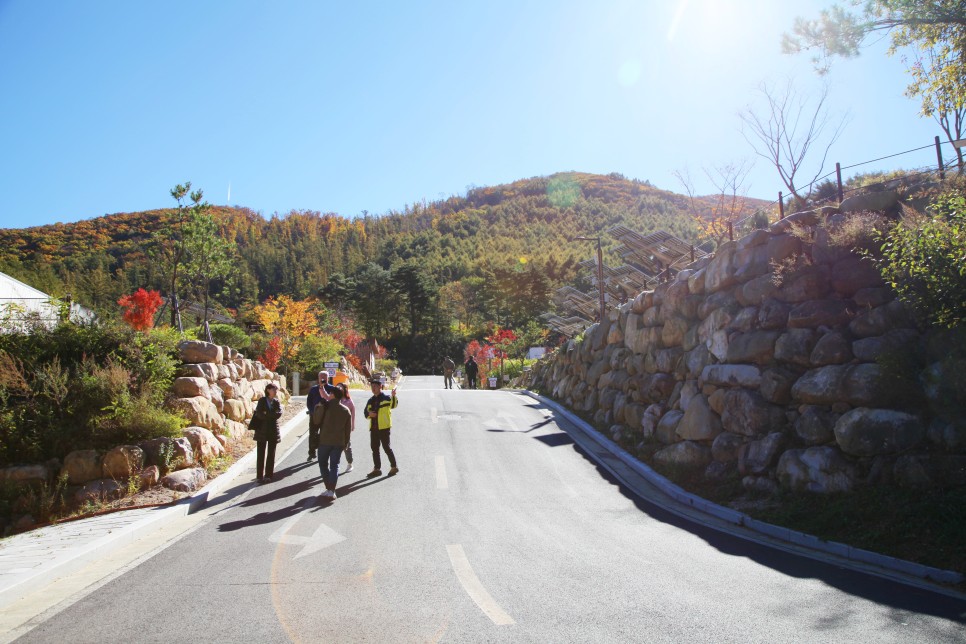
22,305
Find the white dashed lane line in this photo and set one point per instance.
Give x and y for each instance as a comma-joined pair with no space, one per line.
474,588
441,482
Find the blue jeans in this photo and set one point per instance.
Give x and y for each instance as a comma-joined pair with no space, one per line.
329,457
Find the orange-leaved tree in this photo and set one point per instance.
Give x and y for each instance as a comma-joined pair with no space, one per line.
139,308
288,320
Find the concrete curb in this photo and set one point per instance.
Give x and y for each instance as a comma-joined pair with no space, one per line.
806,544
74,559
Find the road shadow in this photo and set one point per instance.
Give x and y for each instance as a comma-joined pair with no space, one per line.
886,592
263,518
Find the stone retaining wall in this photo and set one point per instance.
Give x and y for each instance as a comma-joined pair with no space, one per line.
729,370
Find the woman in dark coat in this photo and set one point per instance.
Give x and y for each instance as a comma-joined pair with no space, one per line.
267,435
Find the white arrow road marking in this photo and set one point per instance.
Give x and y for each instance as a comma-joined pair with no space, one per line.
474,588
441,483
322,538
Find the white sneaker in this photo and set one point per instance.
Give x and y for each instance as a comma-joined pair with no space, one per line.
348,469
328,493
332,494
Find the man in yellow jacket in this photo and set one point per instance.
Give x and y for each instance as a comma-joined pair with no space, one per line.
378,410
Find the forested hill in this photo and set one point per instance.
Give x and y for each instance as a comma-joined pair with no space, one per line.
519,227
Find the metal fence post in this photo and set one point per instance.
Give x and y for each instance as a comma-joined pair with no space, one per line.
838,176
939,157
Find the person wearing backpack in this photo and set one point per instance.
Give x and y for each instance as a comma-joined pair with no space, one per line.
319,394
378,410
334,434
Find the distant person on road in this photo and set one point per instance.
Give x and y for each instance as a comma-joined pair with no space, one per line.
334,434
448,368
472,370
378,410
267,435
319,394
351,406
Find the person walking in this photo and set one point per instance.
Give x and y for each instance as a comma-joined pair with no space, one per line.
319,394
351,406
267,435
448,368
472,369
333,438
378,410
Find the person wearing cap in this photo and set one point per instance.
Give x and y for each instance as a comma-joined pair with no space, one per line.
448,368
319,394
334,434
378,410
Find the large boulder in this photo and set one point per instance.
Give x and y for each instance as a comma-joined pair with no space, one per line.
699,422
195,351
686,454
795,346
81,466
755,346
816,313
199,411
190,387
726,446
859,385
203,443
649,423
747,413
123,462
870,432
756,457
188,480
235,410
776,385
883,201
204,370
99,490
821,470
666,431
25,474
814,425
831,348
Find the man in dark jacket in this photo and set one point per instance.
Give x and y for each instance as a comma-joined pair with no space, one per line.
319,394
472,369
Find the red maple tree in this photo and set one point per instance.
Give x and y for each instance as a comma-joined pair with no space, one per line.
273,354
140,307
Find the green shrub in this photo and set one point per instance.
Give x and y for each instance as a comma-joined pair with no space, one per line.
924,259
230,335
315,351
139,419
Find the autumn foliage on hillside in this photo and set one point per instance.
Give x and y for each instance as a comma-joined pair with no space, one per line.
423,279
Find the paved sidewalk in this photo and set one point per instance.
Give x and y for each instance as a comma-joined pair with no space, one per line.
31,560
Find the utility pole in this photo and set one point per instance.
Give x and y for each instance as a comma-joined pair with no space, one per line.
600,272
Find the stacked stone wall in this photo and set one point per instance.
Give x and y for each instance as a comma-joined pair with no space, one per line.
776,375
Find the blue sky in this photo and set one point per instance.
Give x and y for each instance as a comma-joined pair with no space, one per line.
352,107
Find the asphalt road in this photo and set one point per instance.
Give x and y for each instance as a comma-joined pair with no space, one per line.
497,529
